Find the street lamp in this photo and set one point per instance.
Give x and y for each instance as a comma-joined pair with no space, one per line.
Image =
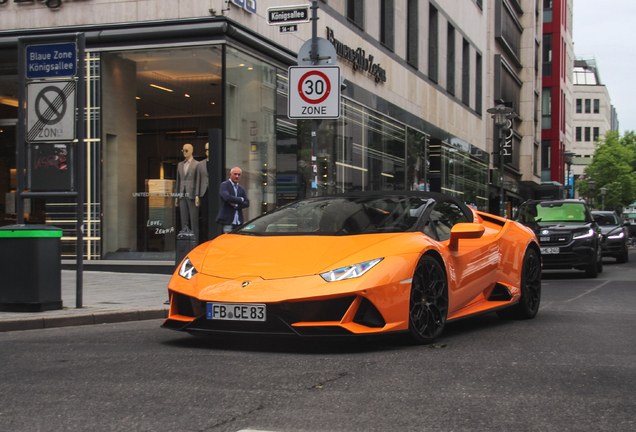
501,114
603,192
568,161
592,185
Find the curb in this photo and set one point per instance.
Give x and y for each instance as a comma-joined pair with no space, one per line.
36,323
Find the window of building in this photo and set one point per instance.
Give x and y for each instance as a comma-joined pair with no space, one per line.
579,133
546,150
466,72
536,162
478,84
587,134
387,23
450,60
547,54
355,12
597,106
579,106
433,44
596,134
412,33
546,108
588,106
547,11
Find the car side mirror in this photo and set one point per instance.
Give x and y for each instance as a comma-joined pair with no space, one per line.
464,231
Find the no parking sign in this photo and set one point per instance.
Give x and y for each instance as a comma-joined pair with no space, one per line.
314,92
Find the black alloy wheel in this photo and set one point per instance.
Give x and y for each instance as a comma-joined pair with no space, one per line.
528,305
591,271
428,306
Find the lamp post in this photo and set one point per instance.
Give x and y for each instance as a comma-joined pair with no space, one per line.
501,114
603,192
568,161
592,185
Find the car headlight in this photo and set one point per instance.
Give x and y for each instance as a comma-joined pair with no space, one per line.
585,234
620,235
350,272
187,269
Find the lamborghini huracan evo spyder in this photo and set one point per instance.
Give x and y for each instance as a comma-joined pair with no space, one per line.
358,264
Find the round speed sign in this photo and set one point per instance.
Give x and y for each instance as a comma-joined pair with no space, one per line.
314,92
314,87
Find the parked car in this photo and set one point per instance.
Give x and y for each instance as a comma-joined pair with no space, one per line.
615,235
568,235
358,264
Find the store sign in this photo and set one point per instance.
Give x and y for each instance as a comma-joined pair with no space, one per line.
508,142
51,4
248,5
358,58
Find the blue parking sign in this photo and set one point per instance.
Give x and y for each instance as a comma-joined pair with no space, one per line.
51,60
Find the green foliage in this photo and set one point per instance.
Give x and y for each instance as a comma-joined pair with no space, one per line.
613,167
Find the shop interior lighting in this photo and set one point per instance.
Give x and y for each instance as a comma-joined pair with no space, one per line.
161,88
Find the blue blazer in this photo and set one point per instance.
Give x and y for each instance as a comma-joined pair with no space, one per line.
228,199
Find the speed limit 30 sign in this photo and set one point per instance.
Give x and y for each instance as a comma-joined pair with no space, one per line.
314,92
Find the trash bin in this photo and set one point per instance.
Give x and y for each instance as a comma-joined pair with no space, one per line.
30,268
186,241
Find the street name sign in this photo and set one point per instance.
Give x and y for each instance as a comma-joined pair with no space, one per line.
288,15
51,60
314,92
51,111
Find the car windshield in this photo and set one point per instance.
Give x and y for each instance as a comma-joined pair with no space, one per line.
552,212
606,219
339,216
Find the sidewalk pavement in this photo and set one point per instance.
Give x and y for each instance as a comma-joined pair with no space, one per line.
108,297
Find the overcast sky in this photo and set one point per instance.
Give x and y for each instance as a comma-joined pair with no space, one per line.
607,30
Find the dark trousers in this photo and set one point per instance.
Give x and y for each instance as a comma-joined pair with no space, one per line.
205,212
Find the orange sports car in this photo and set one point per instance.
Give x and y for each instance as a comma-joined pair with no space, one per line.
358,264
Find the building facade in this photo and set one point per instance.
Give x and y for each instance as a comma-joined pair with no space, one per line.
556,95
418,77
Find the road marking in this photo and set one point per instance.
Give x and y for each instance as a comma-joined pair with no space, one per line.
587,292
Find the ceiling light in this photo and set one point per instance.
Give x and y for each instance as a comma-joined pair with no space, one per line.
242,64
146,115
137,97
250,68
161,88
213,103
186,95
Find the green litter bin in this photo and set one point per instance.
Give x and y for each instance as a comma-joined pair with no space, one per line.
30,268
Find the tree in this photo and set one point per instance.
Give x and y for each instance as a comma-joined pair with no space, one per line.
613,167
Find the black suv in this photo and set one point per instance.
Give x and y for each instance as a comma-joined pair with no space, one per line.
615,235
568,235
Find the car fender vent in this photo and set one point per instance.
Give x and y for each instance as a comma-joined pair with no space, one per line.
500,293
368,315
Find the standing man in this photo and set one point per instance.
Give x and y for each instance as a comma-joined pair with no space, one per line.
201,190
233,201
186,175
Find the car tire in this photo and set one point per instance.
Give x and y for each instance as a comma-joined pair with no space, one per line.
591,271
428,302
624,256
528,304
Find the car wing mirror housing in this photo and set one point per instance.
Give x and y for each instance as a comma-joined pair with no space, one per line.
464,231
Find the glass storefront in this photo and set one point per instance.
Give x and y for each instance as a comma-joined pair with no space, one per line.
145,105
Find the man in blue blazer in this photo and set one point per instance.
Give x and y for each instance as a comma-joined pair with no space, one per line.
233,201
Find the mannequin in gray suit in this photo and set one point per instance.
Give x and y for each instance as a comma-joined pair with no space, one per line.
201,191
186,178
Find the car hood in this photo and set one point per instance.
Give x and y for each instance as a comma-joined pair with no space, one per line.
273,257
607,229
557,227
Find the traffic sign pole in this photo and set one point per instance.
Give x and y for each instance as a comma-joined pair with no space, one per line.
314,123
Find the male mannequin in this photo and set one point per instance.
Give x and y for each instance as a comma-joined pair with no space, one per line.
186,176
201,191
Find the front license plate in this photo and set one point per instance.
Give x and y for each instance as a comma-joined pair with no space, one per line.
549,250
236,311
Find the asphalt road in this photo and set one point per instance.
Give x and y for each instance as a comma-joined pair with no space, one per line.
572,368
